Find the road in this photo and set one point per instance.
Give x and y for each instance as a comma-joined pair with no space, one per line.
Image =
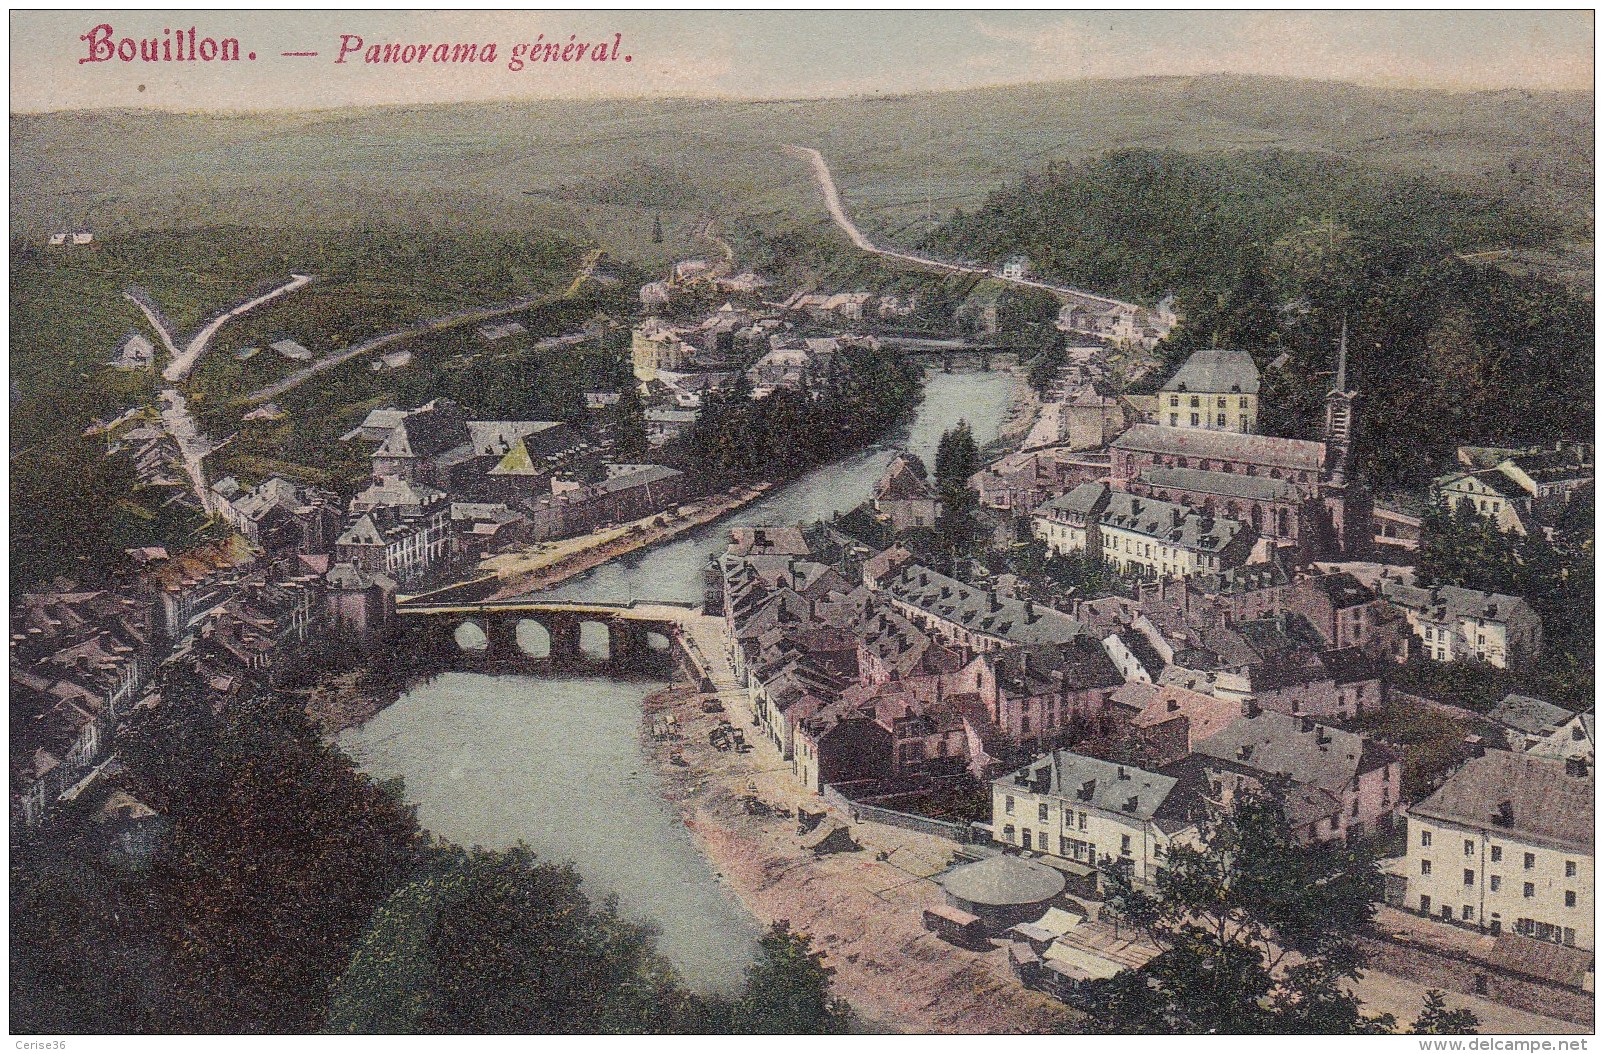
179,368
300,377
832,200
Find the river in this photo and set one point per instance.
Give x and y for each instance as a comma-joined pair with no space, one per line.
556,761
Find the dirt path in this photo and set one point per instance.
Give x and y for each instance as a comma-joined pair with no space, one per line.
863,909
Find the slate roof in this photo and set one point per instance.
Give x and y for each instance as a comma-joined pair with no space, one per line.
1223,484
903,480
1169,523
1299,454
425,433
1526,713
1086,501
1451,603
1305,751
1154,704
1216,370
979,611
1124,790
1544,802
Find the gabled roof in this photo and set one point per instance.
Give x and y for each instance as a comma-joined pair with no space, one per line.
1222,484
1124,790
1537,795
1298,454
1216,370
1169,523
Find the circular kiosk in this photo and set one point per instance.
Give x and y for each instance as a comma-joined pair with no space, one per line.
1003,890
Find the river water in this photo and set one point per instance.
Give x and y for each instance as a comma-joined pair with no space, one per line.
556,761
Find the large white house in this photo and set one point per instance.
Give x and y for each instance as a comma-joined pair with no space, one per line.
1505,845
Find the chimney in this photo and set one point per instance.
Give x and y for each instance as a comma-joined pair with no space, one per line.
1123,774
995,604
1505,816
1130,804
1250,707
1576,766
1308,722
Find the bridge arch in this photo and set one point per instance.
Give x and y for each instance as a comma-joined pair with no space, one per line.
533,638
596,639
471,637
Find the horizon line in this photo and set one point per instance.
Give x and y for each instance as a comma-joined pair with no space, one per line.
828,97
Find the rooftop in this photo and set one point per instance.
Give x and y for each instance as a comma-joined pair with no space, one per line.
1526,795
1216,370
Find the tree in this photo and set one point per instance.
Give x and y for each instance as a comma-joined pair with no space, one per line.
277,854
787,990
629,426
1259,933
500,943
956,460
1437,1020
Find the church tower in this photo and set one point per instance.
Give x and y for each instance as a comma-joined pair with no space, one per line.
1347,504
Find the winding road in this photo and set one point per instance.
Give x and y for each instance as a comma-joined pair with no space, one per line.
300,377
832,200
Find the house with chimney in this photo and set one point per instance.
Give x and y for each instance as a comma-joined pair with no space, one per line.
1337,784
1216,388
968,618
1504,846
1453,623
1087,815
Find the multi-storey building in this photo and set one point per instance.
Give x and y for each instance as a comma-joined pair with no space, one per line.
1506,844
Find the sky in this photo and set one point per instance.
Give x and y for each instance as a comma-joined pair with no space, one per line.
775,54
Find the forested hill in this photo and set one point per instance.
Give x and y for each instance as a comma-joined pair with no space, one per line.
1270,250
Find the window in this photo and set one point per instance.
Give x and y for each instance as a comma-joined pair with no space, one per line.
1470,877
1570,937
1175,400
1063,846
1221,401
1493,882
1447,912
1465,913
1219,419
1194,405
1531,861
1529,891
1242,403
1570,898
1041,812
1425,904
1008,832
1570,869
1125,850
1425,867
1498,853
1024,837
1470,847
1082,824
1008,805
1425,839
1194,420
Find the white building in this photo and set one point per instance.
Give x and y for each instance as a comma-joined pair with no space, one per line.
1094,813
1506,844
1454,623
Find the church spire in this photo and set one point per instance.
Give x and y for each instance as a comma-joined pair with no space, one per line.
1342,356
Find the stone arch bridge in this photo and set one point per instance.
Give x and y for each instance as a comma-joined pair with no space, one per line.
431,629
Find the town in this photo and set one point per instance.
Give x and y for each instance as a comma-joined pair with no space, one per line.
1059,661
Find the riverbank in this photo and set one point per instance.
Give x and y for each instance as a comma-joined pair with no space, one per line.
863,909
552,563
1024,406
348,699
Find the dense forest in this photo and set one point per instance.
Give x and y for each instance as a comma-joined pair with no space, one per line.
1271,251
738,439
